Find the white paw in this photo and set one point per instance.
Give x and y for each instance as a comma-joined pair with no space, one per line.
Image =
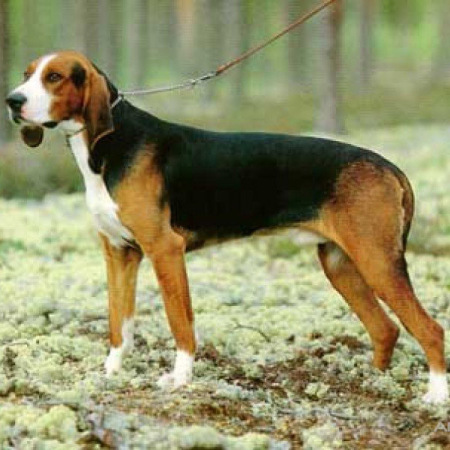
171,381
181,375
437,389
113,362
435,398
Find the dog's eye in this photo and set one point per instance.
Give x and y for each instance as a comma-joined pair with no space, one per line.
26,75
54,77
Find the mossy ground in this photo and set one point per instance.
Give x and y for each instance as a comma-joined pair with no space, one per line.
281,356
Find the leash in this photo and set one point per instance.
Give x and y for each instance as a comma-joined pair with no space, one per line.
191,83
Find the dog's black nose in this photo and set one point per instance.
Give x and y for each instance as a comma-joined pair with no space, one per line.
15,101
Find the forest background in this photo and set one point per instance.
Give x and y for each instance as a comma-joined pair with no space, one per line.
359,65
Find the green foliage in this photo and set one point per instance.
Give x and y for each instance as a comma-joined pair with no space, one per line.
400,14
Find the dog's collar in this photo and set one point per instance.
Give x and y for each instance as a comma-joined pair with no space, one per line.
118,99
74,133
69,135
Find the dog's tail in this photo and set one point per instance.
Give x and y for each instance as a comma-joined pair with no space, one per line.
407,204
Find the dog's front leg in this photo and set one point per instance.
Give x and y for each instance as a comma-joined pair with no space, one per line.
122,267
168,262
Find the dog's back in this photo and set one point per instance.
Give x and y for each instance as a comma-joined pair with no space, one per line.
236,183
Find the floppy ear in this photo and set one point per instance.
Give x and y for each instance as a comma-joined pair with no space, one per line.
97,112
32,135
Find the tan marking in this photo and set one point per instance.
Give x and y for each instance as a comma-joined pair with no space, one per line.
367,218
67,100
139,199
31,68
87,104
122,267
193,241
346,279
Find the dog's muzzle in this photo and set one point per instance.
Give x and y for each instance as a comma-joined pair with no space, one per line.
15,101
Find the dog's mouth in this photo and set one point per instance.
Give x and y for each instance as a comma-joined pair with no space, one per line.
19,119
50,124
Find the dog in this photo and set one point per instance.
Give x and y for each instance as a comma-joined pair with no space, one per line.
159,189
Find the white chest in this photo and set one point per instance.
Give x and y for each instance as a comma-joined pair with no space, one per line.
101,205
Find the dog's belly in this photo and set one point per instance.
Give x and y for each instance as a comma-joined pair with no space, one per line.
195,241
299,235
227,214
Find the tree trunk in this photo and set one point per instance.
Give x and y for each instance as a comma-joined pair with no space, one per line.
91,29
144,42
137,14
4,69
30,27
108,30
185,15
442,62
329,117
74,35
237,16
365,67
166,44
209,42
296,43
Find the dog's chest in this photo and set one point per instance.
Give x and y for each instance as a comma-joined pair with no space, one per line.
105,213
102,207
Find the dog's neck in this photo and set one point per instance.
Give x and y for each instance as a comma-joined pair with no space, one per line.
130,125
71,128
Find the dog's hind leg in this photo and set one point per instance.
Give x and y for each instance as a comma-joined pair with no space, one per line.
346,279
390,280
370,223
122,267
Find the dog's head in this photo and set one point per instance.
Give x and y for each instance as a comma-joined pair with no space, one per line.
62,88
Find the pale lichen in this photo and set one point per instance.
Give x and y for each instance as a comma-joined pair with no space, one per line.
276,351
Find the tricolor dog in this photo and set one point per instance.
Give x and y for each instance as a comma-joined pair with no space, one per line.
158,189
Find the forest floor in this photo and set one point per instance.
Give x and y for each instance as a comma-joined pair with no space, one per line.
282,362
